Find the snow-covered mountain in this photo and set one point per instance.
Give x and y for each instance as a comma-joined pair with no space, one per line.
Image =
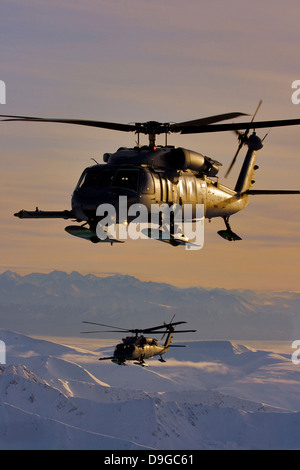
211,395
57,303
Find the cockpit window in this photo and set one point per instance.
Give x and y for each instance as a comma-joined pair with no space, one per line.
126,178
96,178
103,177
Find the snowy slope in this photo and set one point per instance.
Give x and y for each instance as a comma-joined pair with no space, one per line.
211,395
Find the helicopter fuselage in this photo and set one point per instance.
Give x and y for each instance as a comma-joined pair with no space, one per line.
138,349
149,177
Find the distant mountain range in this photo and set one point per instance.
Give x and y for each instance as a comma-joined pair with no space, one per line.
56,304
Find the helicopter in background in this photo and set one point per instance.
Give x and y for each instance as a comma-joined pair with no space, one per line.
137,347
152,175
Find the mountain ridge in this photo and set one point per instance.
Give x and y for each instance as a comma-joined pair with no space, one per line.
56,303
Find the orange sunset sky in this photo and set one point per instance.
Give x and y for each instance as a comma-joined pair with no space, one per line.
136,61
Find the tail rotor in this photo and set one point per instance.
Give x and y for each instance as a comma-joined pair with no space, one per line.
243,139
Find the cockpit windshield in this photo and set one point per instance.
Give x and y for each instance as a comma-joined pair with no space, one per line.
96,178
103,177
126,178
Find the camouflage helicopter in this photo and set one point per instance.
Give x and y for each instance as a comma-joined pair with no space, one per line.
152,175
137,347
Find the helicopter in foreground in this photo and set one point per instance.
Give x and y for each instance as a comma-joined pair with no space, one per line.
150,176
137,347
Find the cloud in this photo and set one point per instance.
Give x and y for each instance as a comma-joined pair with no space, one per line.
205,367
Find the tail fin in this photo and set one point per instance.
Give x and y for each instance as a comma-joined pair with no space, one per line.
245,179
169,338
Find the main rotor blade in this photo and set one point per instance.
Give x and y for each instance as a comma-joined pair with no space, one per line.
175,331
107,326
104,331
271,191
208,120
239,126
123,330
184,331
102,124
124,127
166,325
197,126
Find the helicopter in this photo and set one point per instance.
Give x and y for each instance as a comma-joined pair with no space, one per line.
162,176
137,347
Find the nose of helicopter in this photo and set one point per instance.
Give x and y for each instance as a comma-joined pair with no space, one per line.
87,204
124,350
119,352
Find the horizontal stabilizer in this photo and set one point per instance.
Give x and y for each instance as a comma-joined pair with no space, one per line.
271,191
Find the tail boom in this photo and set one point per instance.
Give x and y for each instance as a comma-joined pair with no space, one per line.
245,179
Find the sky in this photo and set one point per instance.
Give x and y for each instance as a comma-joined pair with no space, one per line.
137,61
